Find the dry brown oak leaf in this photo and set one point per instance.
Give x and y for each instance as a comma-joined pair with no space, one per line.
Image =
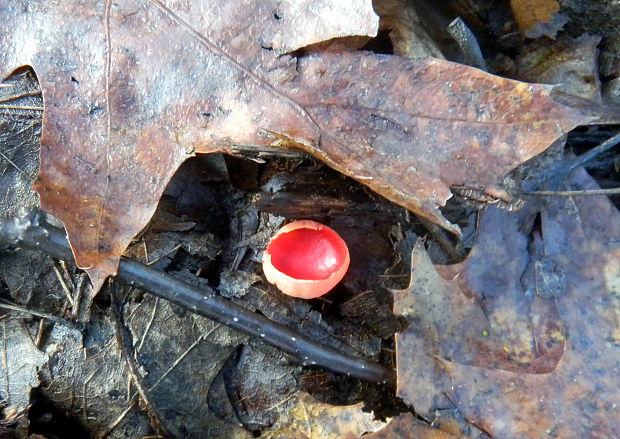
530,346
132,88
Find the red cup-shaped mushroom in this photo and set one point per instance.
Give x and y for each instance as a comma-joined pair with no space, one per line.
305,259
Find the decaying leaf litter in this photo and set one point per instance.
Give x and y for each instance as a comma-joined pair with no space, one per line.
364,114
507,344
343,119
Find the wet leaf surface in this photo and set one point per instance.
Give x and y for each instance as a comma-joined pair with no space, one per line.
20,131
21,360
181,354
101,73
86,376
87,380
257,382
525,344
348,422
120,118
308,418
503,344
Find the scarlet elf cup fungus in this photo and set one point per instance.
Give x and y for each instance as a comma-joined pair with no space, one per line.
305,259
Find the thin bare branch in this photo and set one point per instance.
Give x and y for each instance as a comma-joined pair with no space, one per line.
594,152
610,191
148,325
40,331
5,363
21,171
15,307
64,286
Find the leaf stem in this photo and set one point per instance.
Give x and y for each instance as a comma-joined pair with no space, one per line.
609,191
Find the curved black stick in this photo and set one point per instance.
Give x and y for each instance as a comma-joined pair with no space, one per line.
25,231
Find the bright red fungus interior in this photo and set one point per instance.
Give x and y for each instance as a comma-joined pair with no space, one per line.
307,253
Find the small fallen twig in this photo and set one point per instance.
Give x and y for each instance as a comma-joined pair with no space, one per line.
5,304
594,152
5,364
441,236
26,231
20,170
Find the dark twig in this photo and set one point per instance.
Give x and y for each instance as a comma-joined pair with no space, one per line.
126,346
594,152
20,170
558,173
52,318
26,231
467,42
442,239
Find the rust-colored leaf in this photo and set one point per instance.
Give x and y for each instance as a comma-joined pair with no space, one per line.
133,88
549,299
409,130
